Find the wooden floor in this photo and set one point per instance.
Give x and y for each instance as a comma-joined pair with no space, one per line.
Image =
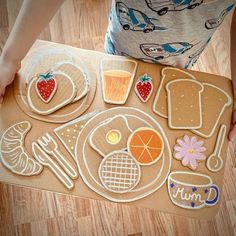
23,211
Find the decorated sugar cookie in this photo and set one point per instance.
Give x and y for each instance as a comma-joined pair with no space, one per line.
119,172
184,104
144,87
214,161
69,132
111,135
117,79
56,58
13,154
46,86
50,163
167,74
212,109
190,151
145,145
50,92
191,190
77,74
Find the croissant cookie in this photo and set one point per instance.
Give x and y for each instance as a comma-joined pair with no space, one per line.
13,154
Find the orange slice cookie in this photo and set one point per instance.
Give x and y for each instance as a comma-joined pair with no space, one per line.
145,145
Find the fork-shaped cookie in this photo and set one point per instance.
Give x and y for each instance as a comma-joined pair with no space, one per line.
50,146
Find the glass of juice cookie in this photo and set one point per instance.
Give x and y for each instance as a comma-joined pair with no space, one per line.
117,79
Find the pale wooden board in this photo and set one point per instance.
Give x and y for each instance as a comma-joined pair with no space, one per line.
9,109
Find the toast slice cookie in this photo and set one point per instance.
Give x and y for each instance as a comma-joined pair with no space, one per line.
111,135
167,74
65,93
212,109
184,104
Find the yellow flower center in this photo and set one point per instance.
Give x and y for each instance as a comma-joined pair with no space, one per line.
191,151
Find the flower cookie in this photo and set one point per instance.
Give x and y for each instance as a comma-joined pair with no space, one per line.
189,150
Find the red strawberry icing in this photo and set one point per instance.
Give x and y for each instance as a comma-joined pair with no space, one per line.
46,86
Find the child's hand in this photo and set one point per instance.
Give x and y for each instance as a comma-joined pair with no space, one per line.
7,75
232,132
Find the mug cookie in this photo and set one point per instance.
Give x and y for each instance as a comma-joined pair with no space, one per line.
192,190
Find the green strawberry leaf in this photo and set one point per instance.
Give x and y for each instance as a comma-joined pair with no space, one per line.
46,76
145,78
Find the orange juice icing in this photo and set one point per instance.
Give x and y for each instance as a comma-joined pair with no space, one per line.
116,85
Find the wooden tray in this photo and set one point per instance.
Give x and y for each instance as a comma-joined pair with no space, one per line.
11,113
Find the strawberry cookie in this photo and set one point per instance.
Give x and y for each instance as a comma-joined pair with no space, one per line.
144,87
46,86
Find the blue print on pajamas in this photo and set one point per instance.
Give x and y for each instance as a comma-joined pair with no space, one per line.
135,20
214,23
163,6
161,51
194,57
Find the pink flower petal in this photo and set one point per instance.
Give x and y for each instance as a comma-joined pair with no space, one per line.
187,140
179,155
199,156
182,143
200,149
193,163
193,141
179,149
198,144
185,161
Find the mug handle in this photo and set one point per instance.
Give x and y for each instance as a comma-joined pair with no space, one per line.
213,201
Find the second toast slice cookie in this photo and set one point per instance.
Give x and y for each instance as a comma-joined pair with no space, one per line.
184,104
